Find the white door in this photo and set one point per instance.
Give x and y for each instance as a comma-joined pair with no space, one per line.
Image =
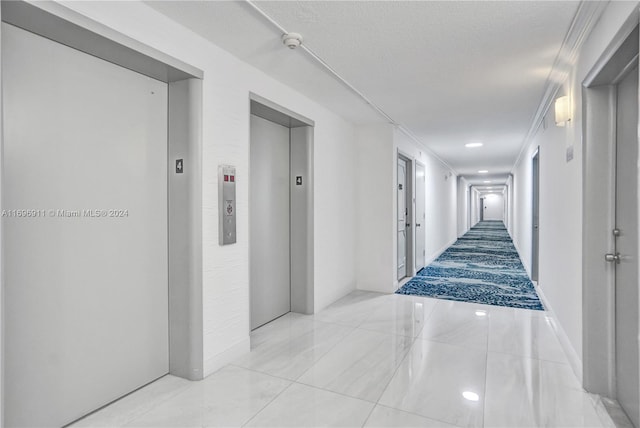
627,373
86,296
420,216
269,242
402,219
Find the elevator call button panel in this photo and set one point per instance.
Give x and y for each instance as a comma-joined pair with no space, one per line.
226,204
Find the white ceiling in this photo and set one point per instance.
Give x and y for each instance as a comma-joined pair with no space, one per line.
451,72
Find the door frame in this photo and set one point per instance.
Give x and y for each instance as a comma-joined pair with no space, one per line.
415,198
301,217
535,212
60,24
410,204
598,212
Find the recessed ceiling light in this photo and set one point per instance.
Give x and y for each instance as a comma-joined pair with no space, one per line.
482,171
487,181
472,145
471,396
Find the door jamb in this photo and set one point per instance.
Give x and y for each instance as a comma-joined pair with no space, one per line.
411,202
598,219
422,225
535,156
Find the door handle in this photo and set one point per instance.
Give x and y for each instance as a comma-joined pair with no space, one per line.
612,258
417,224
407,225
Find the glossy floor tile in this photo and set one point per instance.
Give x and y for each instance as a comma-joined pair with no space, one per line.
387,417
361,365
304,406
229,397
440,381
380,360
523,392
289,356
136,404
524,333
464,324
401,315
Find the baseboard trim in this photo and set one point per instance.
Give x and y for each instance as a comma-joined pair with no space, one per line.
227,356
574,359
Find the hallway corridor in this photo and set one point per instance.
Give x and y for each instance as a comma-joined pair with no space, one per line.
483,266
319,213
380,360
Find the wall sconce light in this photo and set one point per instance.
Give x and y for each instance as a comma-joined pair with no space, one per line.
562,111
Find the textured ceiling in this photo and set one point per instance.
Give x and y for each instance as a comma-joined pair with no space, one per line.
451,72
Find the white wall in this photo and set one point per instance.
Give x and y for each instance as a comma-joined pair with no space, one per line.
226,88
379,146
463,206
376,187
560,268
494,207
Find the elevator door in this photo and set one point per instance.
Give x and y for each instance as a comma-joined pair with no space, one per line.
85,229
270,266
626,318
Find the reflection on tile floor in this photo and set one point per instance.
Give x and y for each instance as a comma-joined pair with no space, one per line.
379,360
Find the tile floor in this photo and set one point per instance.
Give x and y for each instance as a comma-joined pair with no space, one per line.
377,360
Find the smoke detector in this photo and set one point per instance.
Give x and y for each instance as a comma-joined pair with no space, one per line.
292,40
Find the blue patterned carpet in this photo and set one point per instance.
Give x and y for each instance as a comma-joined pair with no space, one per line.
482,267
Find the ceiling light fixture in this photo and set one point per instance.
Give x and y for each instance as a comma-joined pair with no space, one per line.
473,145
292,40
563,114
487,181
471,396
483,171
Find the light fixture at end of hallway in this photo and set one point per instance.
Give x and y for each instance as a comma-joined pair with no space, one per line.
483,171
473,145
471,396
562,110
292,40
487,181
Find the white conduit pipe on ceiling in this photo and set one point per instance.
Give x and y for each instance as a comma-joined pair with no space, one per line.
348,85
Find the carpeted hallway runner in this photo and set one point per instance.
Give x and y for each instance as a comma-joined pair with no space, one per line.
483,266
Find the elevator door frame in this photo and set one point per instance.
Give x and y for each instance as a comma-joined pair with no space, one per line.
301,199
60,24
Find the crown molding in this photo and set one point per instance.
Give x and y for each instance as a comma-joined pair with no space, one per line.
585,18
